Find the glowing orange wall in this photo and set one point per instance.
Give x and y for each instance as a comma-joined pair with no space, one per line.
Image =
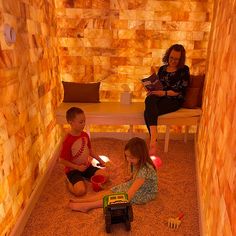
120,40
29,93
217,134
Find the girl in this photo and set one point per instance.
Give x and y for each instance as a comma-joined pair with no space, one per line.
141,185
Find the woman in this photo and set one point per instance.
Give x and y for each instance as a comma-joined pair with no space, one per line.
174,77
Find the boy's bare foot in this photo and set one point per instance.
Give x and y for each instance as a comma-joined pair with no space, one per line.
82,207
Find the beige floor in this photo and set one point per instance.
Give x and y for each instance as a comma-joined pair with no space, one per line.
177,192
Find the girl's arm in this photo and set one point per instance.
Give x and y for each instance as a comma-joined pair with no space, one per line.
135,187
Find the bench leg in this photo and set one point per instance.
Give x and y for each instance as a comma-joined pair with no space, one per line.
196,135
186,133
131,131
167,138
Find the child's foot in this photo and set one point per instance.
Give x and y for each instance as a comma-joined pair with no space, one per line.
75,200
82,207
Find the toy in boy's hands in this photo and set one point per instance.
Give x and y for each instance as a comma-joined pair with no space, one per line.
103,164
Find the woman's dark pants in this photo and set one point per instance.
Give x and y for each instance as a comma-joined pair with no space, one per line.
156,106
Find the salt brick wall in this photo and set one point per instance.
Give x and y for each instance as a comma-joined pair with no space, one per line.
119,41
217,134
29,92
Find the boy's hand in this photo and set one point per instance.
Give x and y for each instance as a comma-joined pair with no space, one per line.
102,164
81,168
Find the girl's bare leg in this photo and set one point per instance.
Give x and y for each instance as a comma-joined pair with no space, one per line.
93,198
85,206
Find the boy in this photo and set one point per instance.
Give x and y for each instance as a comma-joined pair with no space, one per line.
76,154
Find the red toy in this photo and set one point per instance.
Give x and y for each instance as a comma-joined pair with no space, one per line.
97,182
156,161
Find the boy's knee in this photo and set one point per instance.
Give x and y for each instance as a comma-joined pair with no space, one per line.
79,188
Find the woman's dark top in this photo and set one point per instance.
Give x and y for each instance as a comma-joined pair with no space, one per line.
177,81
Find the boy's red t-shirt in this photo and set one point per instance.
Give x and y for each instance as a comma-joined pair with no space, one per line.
72,153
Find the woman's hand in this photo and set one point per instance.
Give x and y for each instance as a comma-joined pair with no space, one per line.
172,93
159,93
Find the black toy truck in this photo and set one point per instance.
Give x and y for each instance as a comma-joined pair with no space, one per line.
117,209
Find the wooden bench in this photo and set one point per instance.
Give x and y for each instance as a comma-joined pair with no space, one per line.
115,113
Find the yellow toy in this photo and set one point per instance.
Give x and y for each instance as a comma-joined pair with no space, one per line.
174,223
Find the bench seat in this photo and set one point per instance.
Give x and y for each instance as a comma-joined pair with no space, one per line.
115,113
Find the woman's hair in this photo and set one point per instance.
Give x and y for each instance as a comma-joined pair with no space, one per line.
138,148
72,112
178,48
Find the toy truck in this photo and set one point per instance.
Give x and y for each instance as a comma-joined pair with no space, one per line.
117,209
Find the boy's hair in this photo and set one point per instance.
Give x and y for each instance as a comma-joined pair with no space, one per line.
138,148
178,48
72,112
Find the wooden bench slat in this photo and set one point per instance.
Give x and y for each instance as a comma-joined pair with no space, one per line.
95,112
115,113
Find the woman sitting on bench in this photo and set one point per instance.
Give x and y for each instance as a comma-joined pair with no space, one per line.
174,78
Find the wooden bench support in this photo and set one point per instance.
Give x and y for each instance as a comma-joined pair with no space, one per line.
167,138
186,133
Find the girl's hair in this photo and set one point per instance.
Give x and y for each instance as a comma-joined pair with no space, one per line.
72,112
178,48
138,148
